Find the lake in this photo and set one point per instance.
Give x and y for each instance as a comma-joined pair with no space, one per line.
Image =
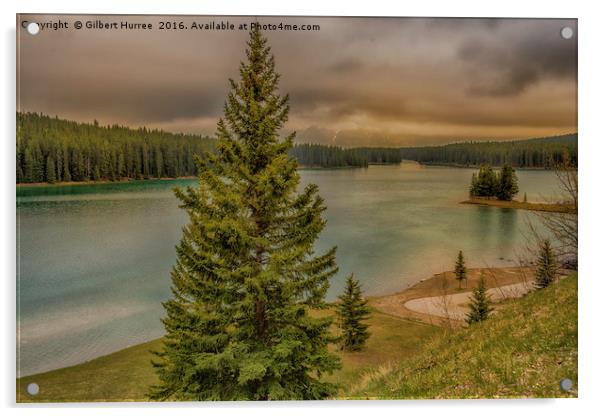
94,261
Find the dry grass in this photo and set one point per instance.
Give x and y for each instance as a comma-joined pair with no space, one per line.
524,351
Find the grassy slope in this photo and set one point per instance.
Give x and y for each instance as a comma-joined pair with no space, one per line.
127,374
524,351
392,339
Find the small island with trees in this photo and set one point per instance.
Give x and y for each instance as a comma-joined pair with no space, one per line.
498,189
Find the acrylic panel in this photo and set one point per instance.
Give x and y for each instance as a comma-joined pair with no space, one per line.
295,208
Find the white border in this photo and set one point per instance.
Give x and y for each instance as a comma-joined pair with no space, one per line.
590,154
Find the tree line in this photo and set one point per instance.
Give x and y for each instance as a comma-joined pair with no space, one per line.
317,155
51,150
55,150
545,152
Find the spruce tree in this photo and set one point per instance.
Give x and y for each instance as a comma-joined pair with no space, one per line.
473,186
507,183
50,170
352,311
246,276
480,304
460,269
66,172
29,165
487,182
546,266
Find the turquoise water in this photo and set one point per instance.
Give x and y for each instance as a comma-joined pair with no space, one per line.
94,260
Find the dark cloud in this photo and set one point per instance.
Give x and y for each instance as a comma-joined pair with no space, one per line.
356,81
519,59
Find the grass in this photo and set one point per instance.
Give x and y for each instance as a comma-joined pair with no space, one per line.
122,376
523,351
531,206
392,339
126,375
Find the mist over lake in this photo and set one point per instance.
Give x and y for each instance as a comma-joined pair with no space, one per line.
94,261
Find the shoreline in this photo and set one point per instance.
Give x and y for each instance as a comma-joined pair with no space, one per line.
456,165
393,304
103,182
529,206
445,284
128,180
300,167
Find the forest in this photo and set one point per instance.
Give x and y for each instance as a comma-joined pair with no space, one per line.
52,150
317,155
542,152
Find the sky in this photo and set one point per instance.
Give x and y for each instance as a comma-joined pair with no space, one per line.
353,82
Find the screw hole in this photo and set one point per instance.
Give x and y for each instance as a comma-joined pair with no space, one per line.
566,384
33,389
566,32
33,28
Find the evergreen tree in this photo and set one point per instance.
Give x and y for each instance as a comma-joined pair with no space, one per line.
507,183
487,183
473,185
238,325
480,304
59,165
352,310
66,170
158,162
460,269
50,170
29,165
546,266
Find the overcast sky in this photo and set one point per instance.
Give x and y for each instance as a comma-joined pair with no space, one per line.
356,81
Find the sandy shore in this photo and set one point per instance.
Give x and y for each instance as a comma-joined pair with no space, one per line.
438,300
455,306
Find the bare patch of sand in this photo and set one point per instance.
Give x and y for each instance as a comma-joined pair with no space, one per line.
444,286
455,306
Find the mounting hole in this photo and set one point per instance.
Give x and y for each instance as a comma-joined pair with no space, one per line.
33,389
566,32
33,28
566,384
